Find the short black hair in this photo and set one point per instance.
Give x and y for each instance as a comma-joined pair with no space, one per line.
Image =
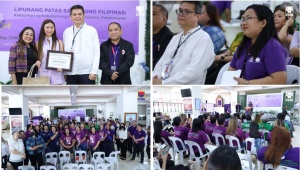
197,5
116,24
221,120
163,10
76,7
248,117
197,125
176,121
224,157
281,116
213,118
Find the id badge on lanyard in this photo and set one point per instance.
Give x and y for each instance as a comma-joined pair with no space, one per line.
166,70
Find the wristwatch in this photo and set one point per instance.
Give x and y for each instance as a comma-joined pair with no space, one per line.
223,57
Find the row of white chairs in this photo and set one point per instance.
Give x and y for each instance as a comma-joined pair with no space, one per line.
188,145
80,157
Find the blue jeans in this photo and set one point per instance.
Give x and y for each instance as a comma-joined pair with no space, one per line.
82,146
258,142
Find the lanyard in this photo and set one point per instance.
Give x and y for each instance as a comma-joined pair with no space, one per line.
75,35
115,53
179,44
244,65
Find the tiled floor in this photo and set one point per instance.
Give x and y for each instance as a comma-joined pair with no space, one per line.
123,164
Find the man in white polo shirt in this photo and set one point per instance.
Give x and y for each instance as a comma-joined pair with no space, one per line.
83,41
189,53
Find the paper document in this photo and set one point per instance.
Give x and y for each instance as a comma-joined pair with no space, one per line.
227,78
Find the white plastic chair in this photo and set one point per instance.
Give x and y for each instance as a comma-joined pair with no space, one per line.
270,166
190,145
64,157
48,167
26,167
210,148
97,158
252,150
173,139
113,158
246,158
165,141
265,136
292,74
208,138
231,139
85,167
220,74
104,166
217,136
80,157
70,166
51,157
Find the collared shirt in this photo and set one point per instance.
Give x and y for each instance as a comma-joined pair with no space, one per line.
18,146
86,49
191,62
139,135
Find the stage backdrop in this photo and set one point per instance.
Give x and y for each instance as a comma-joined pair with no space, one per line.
72,113
15,15
265,100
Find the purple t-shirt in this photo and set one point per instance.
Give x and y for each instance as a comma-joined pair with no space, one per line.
67,140
181,132
102,133
271,59
85,132
94,138
221,5
72,131
209,127
79,136
165,134
240,135
220,129
291,157
198,137
138,135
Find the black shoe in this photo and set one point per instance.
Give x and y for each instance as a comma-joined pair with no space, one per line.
132,159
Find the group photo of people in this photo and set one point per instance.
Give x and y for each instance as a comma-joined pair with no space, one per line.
199,42
82,133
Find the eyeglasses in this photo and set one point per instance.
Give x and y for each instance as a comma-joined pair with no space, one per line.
184,12
246,19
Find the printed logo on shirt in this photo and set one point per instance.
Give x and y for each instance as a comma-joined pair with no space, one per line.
251,59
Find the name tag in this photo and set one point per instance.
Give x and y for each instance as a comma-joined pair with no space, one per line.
166,70
113,68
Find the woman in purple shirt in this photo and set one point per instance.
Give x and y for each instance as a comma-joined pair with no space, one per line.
67,141
198,136
233,130
103,135
61,129
209,126
72,129
260,55
93,140
80,139
48,41
180,130
280,151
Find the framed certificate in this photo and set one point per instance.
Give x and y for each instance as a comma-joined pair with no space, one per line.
59,59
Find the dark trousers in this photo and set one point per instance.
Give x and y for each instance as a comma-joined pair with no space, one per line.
15,165
109,147
79,79
169,163
138,149
148,151
123,148
118,144
129,144
4,162
36,158
92,150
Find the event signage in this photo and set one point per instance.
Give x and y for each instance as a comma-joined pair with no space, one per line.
16,15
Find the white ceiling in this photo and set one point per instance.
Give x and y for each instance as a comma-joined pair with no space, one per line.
71,95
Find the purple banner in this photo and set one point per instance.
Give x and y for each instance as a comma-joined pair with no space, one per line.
266,100
72,113
16,15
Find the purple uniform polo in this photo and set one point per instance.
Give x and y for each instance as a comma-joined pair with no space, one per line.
291,157
67,140
94,138
138,135
209,127
72,131
220,129
198,137
132,130
271,59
